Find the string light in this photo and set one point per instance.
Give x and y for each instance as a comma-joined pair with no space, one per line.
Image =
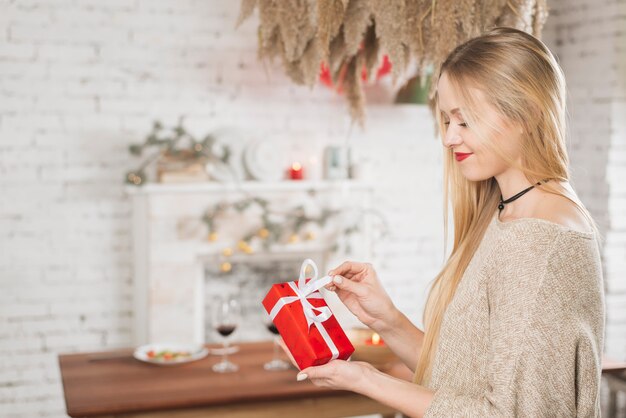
226,267
290,225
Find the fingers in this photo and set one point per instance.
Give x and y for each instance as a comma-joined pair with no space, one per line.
316,372
348,269
308,373
358,288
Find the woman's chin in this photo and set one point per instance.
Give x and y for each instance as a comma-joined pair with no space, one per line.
474,176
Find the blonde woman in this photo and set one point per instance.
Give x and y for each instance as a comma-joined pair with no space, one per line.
514,321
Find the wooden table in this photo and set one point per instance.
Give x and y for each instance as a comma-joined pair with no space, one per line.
114,384
614,373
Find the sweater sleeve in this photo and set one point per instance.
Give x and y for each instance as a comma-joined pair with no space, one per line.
545,347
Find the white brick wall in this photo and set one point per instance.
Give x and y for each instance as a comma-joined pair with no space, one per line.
589,40
81,79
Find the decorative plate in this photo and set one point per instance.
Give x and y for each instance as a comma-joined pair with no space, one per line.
265,160
170,354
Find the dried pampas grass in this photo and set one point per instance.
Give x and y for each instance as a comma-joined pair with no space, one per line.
349,35
329,20
390,21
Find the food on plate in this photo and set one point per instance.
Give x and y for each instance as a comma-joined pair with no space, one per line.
168,355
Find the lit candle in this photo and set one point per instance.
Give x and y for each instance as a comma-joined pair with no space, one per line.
375,340
296,172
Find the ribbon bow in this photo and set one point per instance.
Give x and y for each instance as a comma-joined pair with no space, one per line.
305,291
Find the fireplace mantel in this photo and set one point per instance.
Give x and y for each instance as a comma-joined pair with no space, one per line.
247,186
169,281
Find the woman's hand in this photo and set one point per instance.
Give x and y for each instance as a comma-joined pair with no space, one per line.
358,287
356,376
339,374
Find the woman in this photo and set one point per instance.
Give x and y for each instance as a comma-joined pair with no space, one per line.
514,322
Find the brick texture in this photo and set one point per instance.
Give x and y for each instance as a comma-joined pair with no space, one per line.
590,43
82,79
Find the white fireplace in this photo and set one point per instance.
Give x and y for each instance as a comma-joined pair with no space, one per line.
173,259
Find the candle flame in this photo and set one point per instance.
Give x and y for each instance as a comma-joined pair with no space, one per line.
296,166
375,339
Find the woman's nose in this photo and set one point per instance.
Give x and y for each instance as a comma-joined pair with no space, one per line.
452,138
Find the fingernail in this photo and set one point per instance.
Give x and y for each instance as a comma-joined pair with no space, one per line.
301,376
337,279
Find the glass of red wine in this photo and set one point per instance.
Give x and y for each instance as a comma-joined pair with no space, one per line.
276,363
226,317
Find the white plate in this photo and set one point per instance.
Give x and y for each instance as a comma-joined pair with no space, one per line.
265,160
196,352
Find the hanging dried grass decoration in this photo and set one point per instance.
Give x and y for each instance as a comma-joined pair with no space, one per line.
336,55
356,20
370,50
245,11
488,13
539,16
330,15
390,21
348,35
444,36
353,88
519,14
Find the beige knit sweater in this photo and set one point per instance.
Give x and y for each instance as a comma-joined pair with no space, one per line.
523,334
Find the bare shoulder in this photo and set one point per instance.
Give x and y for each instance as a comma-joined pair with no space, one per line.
560,210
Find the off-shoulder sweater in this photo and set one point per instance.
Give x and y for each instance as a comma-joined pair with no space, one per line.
523,334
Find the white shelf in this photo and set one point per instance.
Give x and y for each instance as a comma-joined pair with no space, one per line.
275,254
246,186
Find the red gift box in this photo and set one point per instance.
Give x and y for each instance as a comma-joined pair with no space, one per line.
306,324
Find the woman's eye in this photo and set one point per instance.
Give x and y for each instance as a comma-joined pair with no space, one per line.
460,124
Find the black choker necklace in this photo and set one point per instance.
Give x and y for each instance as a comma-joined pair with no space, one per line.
517,196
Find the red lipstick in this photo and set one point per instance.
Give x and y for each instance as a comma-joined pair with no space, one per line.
460,156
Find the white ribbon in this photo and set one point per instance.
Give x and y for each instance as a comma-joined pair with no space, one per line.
305,291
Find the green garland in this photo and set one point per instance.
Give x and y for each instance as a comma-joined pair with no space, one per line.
170,145
270,232
294,221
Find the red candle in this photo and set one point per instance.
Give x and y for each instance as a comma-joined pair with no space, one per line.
296,172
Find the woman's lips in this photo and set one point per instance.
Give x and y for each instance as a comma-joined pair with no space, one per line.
460,156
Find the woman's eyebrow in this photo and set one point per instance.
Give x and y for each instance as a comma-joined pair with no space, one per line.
453,111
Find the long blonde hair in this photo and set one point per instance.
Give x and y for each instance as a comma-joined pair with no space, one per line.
522,81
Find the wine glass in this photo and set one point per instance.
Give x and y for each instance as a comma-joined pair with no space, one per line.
226,317
276,363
